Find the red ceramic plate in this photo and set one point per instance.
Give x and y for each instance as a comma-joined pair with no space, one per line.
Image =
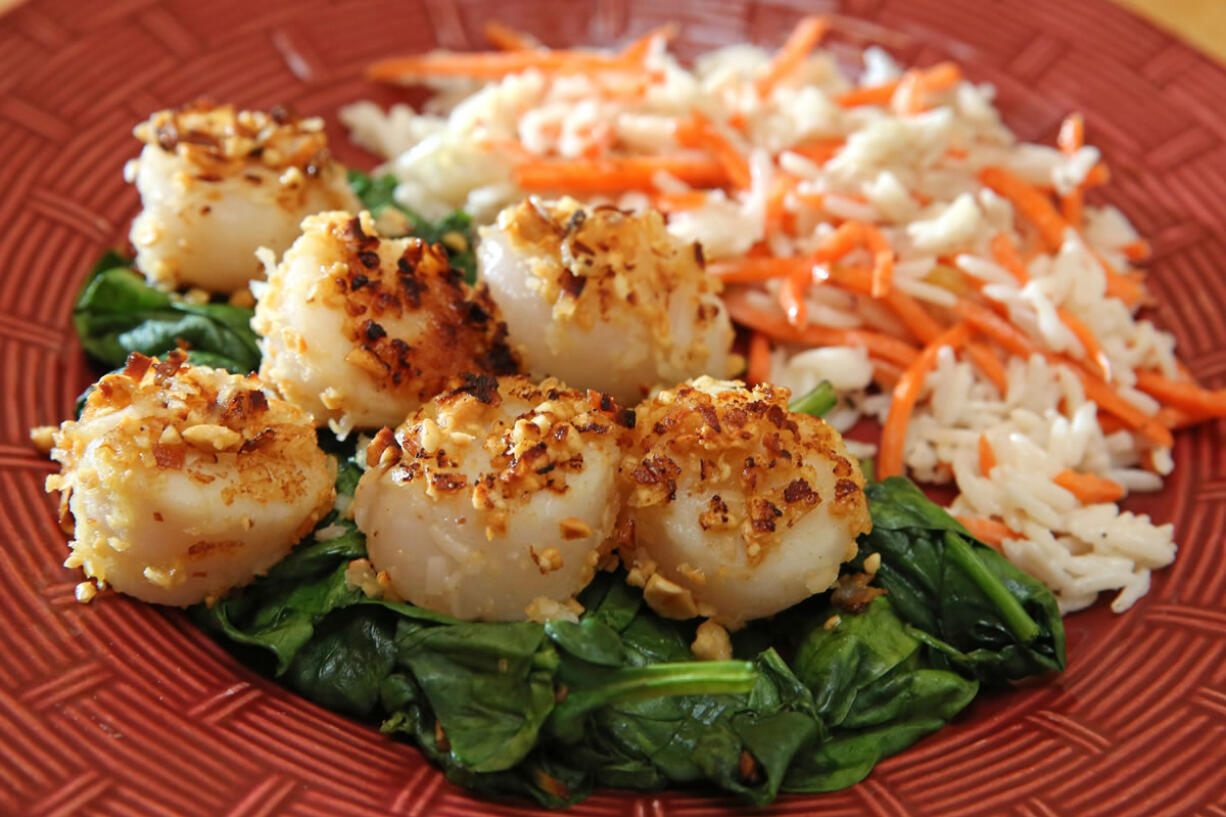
119,708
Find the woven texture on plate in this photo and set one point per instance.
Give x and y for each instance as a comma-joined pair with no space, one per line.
121,709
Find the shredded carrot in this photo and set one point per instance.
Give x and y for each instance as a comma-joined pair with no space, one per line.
505,38
1178,419
908,310
987,457
842,241
679,201
916,83
986,360
991,532
1126,287
800,42
1138,250
1089,343
1187,397
1099,175
996,328
1005,253
616,173
1030,202
886,375
775,326
792,297
883,260
494,65
869,95
699,132
1089,488
1071,138
778,217
906,394
759,359
1108,400
818,151
637,50
1072,135
754,269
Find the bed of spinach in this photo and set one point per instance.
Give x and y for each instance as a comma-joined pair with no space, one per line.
812,700
117,313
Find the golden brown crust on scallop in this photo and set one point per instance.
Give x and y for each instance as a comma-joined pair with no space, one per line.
590,262
743,443
219,140
533,451
466,334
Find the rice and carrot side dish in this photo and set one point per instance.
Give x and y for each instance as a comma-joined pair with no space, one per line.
529,448
886,233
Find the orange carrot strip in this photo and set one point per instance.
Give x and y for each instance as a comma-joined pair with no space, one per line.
699,132
1188,397
1108,400
1138,250
906,394
996,328
754,269
1089,488
1031,203
775,326
494,65
1072,207
908,310
679,201
616,173
1120,285
1005,253
1089,343
637,50
886,375
792,297
936,78
988,363
883,260
759,359
991,532
842,241
1178,419
1099,175
987,457
505,38
871,95
818,151
1072,135
799,43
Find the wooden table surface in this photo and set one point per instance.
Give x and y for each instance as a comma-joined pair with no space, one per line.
1200,22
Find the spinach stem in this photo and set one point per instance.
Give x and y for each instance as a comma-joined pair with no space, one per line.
817,402
1019,621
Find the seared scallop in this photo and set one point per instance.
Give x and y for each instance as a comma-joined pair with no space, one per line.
216,184
739,507
497,500
361,330
604,299
180,482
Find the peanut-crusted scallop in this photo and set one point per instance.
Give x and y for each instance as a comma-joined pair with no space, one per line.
497,500
361,330
738,507
180,482
604,299
217,184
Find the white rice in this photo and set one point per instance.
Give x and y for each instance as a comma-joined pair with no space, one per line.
890,163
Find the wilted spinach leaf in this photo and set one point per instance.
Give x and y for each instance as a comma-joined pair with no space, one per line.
117,313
